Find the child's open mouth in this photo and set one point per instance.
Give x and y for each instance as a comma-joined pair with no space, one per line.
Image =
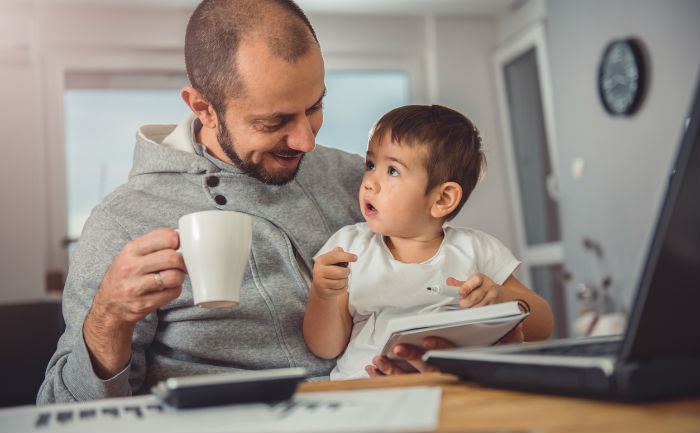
369,209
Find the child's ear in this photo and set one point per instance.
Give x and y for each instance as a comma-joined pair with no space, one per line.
447,197
199,106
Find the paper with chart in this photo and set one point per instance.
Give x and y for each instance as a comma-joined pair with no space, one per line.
409,409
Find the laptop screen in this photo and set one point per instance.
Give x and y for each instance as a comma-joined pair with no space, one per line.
666,317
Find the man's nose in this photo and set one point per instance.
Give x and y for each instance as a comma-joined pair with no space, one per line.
302,137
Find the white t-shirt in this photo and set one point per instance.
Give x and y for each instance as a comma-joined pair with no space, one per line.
382,287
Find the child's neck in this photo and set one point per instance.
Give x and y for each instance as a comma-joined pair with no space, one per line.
416,249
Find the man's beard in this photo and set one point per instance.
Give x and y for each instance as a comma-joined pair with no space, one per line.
250,168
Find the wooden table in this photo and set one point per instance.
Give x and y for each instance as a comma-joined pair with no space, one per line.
469,407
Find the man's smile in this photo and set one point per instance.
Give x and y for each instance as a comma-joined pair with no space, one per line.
287,159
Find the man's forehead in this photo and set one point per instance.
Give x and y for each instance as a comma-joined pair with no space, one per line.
279,113
272,84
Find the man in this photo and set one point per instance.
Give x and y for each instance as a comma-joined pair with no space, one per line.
257,85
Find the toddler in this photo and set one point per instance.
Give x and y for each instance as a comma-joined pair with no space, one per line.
422,164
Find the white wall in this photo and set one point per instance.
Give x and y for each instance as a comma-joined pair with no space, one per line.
39,41
22,182
448,60
627,159
464,64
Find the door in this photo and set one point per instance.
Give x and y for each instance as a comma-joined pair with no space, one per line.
527,129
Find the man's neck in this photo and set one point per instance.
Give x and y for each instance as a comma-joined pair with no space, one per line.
207,138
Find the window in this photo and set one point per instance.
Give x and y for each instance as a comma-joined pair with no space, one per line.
102,112
354,101
531,151
527,125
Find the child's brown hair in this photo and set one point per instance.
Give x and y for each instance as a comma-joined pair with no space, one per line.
452,142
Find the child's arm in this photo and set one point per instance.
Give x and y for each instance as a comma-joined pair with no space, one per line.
480,290
327,321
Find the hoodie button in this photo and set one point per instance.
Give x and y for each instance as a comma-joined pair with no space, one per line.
212,181
220,200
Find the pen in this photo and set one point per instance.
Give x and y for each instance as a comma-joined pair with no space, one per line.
444,290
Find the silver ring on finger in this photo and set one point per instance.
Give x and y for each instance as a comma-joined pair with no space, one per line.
159,280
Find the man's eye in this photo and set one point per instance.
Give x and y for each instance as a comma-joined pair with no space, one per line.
272,128
393,171
314,109
369,165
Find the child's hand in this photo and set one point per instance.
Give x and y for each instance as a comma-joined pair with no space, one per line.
477,291
331,273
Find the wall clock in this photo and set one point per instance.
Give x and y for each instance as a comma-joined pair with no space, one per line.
622,77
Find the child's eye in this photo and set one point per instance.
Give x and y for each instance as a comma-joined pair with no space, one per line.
393,171
369,165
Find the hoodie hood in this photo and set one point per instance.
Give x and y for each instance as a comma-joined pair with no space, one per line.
178,137
169,149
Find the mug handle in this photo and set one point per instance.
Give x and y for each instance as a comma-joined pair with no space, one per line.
179,244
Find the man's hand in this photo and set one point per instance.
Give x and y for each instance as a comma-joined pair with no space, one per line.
382,366
478,290
514,336
147,274
331,273
130,289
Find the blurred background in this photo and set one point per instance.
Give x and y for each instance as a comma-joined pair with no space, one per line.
570,188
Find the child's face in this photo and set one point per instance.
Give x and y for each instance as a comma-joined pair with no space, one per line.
392,195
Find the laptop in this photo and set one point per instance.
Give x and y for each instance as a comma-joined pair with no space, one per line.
657,357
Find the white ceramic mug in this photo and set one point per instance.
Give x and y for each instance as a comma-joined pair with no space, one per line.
215,245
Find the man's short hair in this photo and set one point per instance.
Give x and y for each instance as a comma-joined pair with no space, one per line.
218,27
452,142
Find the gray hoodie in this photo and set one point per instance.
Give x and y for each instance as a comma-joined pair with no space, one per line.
168,180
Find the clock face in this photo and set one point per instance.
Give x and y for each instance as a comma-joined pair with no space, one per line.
621,77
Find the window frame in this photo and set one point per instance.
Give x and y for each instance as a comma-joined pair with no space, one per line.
533,38
546,254
413,66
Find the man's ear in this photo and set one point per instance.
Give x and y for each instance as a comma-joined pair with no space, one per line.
447,197
199,106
